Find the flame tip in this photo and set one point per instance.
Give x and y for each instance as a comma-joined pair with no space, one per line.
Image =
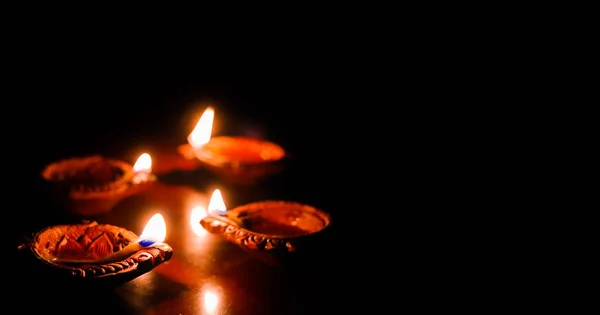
203,130
156,229
217,204
143,163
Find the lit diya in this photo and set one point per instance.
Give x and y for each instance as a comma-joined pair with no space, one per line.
94,184
238,157
272,226
100,251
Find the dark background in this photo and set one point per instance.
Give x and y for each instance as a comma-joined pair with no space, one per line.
113,106
58,108
373,130
326,113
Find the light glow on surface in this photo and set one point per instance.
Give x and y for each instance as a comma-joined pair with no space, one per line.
198,213
211,301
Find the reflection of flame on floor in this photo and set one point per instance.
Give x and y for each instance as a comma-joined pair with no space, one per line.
211,301
180,272
209,295
190,270
196,215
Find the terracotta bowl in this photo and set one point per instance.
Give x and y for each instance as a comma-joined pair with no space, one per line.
239,159
83,252
92,185
269,226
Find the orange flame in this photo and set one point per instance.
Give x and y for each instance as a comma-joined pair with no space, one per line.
155,229
143,163
216,204
203,130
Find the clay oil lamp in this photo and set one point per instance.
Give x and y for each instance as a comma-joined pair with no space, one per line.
99,253
242,158
267,226
93,185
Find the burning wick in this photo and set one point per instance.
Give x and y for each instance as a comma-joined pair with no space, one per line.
216,204
202,132
142,168
154,232
224,151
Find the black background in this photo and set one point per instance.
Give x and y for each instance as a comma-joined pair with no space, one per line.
110,107
379,134
355,131
60,107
